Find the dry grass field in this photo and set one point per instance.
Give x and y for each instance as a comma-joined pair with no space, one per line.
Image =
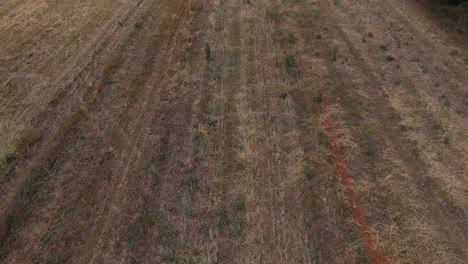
231,131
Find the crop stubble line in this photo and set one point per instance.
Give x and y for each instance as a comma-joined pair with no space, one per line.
111,199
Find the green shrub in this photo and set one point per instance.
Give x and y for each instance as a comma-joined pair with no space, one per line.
291,61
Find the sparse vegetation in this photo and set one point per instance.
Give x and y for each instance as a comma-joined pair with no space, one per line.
155,178
193,179
437,125
454,53
28,138
334,51
138,25
238,204
208,52
307,171
291,61
318,98
371,149
383,47
322,139
291,38
283,95
241,131
390,58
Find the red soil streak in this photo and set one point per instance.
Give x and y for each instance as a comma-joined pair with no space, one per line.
374,254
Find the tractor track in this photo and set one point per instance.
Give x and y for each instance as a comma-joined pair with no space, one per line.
17,171
164,57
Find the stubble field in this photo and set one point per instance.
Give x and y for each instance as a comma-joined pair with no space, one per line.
231,131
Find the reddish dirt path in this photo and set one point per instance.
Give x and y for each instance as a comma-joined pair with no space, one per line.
375,254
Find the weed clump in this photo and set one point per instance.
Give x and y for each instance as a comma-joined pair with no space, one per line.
390,58
307,171
371,150
31,137
193,180
155,178
291,38
138,25
454,52
27,139
223,217
333,54
291,61
273,14
197,7
383,47
322,139
437,126
208,52
318,99
283,95
238,204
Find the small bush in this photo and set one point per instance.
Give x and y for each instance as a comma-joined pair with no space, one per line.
322,139
283,95
273,14
383,47
223,217
307,172
29,138
291,61
371,151
318,99
208,52
155,178
138,25
437,126
454,53
334,52
193,180
238,204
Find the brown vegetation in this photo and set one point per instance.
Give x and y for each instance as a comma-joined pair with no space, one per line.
231,131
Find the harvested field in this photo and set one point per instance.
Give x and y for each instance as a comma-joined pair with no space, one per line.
231,131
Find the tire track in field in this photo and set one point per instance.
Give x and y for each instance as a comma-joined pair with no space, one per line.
164,57
61,127
111,116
